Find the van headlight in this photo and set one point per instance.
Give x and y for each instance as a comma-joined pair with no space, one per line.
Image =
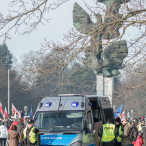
78,143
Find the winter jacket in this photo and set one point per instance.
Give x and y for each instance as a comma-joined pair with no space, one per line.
125,137
13,138
138,141
3,131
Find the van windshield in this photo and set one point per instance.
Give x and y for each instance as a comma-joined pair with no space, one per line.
67,121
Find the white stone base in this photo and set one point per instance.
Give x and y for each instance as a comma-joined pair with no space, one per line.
105,87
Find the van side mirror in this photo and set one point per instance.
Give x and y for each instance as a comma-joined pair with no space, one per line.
89,127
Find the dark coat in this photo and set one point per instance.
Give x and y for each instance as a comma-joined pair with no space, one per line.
117,129
20,126
13,138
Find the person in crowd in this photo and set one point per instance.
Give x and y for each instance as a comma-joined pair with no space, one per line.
24,120
20,128
20,125
118,131
13,136
3,134
10,121
107,134
97,125
140,124
31,135
134,132
1,123
13,123
126,130
5,121
22,114
135,122
139,140
144,134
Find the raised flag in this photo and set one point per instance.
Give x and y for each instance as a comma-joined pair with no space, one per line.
15,116
128,116
14,110
1,108
31,111
5,113
123,114
118,111
19,115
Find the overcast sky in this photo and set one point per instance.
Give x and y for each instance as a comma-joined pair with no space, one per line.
61,21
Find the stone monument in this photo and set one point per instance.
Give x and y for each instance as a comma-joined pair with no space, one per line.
105,60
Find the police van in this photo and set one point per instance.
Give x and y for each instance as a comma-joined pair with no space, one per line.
68,120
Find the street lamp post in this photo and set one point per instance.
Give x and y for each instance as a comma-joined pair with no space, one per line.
6,60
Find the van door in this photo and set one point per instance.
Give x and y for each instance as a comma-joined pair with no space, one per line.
89,135
98,118
96,110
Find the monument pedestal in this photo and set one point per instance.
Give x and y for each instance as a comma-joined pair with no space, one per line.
105,87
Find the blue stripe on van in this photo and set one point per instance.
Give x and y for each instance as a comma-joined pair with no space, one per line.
92,144
56,139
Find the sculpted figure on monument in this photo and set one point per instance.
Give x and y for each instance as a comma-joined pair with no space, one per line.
111,15
106,61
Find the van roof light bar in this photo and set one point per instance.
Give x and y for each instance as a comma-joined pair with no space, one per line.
66,95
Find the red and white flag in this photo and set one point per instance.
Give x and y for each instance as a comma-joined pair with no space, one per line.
5,113
128,115
123,114
19,115
1,108
14,110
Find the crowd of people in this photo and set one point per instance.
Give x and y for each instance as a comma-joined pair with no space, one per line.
20,132
124,132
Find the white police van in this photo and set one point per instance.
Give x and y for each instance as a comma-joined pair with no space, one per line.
68,120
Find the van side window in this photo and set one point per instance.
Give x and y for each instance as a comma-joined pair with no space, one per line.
96,115
89,118
96,110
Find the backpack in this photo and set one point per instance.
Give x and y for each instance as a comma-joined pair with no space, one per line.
133,133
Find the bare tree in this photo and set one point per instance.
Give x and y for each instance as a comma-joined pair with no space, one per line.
131,90
24,16
32,13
